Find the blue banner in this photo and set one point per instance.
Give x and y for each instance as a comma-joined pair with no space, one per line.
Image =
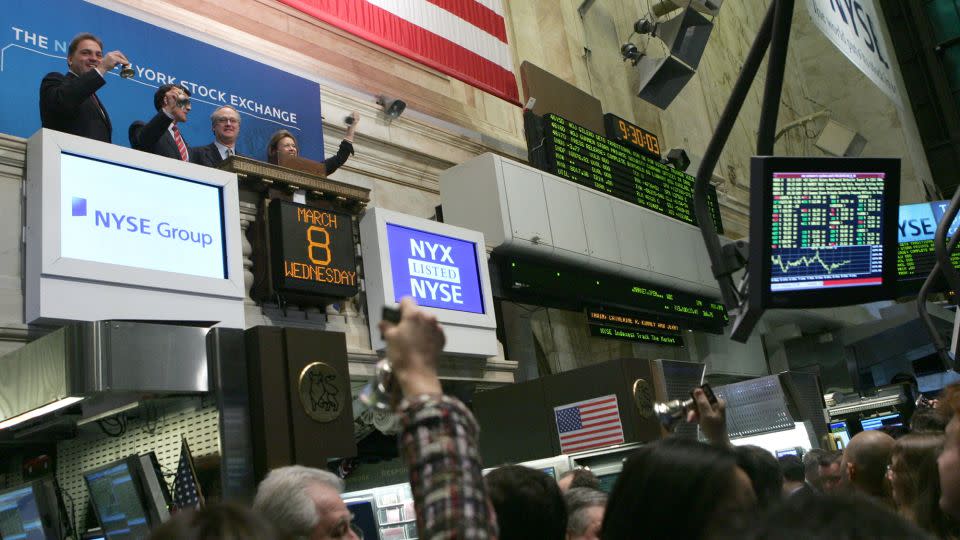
36,34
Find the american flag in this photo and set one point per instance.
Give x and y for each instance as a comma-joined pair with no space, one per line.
186,489
466,39
588,424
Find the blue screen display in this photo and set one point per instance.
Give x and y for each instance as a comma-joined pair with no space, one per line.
20,515
435,270
117,502
879,422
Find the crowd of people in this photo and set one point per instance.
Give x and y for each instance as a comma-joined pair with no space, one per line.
69,103
877,487
674,488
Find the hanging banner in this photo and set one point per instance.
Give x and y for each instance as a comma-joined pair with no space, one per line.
856,29
36,35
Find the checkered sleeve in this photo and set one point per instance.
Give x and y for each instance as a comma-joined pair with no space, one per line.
439,446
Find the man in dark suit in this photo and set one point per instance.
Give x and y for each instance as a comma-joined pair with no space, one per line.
225,123
68,101
161,135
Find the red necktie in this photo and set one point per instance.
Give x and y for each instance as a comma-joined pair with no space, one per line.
181,146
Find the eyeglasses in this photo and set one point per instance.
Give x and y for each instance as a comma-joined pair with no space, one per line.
227,120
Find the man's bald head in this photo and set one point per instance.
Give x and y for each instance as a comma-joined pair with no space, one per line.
865,461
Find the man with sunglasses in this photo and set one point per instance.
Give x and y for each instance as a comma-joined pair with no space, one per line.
161,135
225,123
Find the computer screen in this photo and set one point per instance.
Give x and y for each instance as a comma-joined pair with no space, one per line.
823,230
916,227
880,422
607,481
20,514
116,498
788,452
840,433
364,517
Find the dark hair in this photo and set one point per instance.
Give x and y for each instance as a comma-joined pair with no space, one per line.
673,488
582,478
274,141
764,472
928,419
792,468
225,521
528,503
75,42
831,516
917,481
162,91
950,401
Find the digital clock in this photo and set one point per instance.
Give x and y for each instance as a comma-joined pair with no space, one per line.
312,251
631,135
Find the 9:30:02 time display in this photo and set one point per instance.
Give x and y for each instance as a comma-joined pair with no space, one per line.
632,135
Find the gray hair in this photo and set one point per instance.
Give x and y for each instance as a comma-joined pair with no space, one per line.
213,115
578,501
282,498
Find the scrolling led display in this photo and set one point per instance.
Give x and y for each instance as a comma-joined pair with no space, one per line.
555,285
312,250
582,156
635,336
602,316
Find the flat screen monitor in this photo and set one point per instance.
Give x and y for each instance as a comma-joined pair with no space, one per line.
607,481
32,511
882,421
916,228
790,452
840,432
364,517
128,496
823,231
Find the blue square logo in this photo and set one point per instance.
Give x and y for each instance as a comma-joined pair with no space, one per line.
79,206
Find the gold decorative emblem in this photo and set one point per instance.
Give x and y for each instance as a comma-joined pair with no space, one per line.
643,398
322,392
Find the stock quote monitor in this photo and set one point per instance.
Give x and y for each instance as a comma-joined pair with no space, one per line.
823,231
128,496
915,252
882,421
32,511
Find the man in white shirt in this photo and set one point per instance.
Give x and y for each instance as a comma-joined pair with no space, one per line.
225,123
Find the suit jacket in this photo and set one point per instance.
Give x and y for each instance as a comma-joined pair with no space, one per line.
155,137
67,104
208,155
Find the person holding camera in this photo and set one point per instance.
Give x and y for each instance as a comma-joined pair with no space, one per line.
161,135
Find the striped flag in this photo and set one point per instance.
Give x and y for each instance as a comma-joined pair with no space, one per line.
588,424
466,39
186,488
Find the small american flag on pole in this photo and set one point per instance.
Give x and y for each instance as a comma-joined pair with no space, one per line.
186,489
588,424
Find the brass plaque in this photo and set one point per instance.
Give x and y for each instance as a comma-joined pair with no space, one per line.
322,392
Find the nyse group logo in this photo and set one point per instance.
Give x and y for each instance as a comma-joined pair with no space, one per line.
432,272
107,219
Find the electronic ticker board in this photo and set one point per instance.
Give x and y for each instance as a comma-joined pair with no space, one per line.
589,159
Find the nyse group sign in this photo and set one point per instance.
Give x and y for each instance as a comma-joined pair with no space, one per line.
120,215
437,271
856,29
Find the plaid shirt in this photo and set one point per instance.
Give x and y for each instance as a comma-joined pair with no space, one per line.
439,446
